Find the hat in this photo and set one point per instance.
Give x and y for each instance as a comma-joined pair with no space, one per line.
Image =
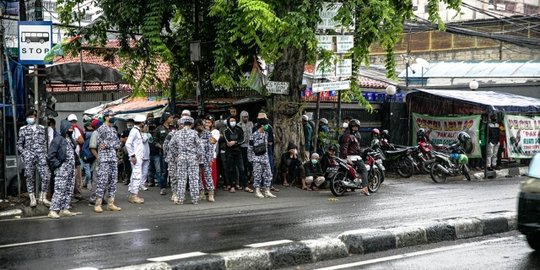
95,123
140,118
31,112
186,113
165,116
187,120
72,117
108,113
305,117
291,146
244,113
314,156
324,121
345,125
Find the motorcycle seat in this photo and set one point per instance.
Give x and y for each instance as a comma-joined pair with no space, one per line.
399,151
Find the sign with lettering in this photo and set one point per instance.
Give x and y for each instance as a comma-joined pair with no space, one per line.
344,68
35,41
331,86
444,130
522,135
328,12
344,43
280,88
325,42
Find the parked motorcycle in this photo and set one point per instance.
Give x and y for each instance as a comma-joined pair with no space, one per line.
343,175
449,165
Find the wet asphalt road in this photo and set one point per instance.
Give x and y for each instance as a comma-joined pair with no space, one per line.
508,251
236,220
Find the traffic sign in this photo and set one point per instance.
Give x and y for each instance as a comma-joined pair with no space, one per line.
344,43
280,88
35,41
329,86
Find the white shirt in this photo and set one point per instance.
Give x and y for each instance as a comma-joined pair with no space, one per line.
137,144
76,134
50,134
215,135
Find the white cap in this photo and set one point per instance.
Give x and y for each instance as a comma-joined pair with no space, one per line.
186,113
139,118
72,117
305,117
345,125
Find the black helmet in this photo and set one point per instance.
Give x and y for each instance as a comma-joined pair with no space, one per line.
421,133
165,116
463,137
354,122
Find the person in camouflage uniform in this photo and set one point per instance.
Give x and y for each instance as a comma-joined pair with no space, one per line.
32,144
262,173
61,156
185,149
206,161
108,143
171,163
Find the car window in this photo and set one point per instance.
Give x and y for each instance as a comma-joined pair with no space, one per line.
534,167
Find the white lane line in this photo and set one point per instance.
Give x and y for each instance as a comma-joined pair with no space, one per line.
176,257
412,254
266,244
71,238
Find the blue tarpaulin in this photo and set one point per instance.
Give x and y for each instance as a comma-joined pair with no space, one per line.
18,87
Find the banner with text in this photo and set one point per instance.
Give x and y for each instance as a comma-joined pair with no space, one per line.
522,135
444,130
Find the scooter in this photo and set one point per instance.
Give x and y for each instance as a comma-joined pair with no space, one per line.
450,165
343,175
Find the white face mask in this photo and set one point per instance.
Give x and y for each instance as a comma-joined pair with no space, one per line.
233,124
30,120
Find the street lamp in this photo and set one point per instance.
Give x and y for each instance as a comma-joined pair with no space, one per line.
390,90
473,85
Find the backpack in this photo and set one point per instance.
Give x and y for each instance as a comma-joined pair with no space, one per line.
86,154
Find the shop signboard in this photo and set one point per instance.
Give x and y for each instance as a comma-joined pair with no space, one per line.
444,130
331,86
522,135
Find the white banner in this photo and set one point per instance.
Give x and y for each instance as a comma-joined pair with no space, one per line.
522,135
280,88
329,86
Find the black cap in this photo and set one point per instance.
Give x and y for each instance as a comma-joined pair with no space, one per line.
31,112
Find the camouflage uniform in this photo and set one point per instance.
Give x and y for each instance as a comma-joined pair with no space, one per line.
208,156
261,164
32,145
185,149
64,179
171,163
107,161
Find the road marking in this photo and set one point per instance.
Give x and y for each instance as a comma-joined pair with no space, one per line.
412,254
176,257
266,244
71,238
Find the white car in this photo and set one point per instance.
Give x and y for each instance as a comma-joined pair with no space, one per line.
529,205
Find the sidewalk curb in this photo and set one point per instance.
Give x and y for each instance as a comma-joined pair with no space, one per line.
361,241
503,173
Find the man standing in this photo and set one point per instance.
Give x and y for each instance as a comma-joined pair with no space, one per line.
233,137
247,127
79,139
108,143
185,149
206,162
308,134
258,155
32,144
159,136
493,143
139,155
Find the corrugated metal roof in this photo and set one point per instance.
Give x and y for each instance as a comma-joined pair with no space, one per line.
466,69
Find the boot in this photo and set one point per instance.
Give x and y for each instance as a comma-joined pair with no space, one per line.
134,198
67,213
43,199
258,193
202,196
97,206
111,206
33,202
211,196
53,214
268,194
174,197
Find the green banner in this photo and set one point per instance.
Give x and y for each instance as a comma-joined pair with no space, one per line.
444,130
522,135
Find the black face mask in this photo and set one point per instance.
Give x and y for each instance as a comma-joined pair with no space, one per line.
69,133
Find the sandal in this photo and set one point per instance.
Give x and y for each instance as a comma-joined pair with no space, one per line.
315,189
286,184
247,189
272,188
306,189
225,188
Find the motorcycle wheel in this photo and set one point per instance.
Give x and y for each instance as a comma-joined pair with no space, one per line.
426,166
466,172
336,185
405,168
437,175
375,179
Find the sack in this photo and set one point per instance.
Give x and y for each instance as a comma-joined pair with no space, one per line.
259,149
86,154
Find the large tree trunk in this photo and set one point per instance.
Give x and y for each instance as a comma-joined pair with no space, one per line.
286,109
